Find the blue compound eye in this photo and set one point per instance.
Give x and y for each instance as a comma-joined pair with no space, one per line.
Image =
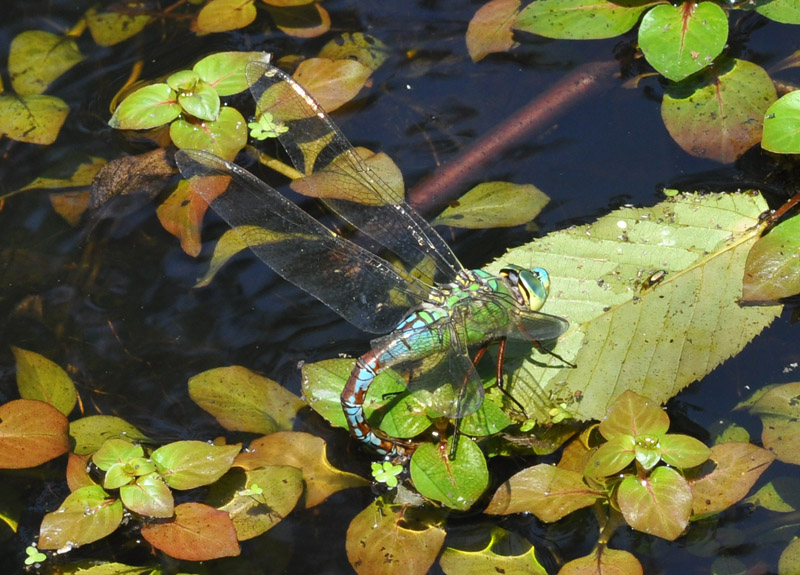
533,285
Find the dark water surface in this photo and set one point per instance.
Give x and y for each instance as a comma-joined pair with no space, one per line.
120,309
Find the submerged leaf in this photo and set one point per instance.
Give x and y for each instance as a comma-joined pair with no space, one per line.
109,28
32,119
627,332
363,48
494,205
779,410
36,58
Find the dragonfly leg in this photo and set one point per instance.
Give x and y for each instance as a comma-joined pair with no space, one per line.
501,357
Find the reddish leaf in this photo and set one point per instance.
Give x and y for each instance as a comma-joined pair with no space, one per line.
659,504
490,29
87,514
198,533
77,473
603,561
31,432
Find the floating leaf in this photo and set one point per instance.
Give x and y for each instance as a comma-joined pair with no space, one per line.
75,176
681,40
363,48
633,414
142,176
181,214
110,28
31,433
110,568
719,115
789,561
256,511
489,31
241,400
506,552
779,411
381,541
494,205
782,495
36,58
190,464
115,451
224,137
738,467
32,119
457,483
784,11
78,472
89,433
201,102
548,492
782,125
682,451
229,244
225,15
198,533
305,452
39,378
667,334
659,504
225,71
308,20
149,107
579,19
603,561
86,515
148,496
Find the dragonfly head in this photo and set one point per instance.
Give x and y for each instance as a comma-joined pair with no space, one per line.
529,286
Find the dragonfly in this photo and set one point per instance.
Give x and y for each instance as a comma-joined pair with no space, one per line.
427,322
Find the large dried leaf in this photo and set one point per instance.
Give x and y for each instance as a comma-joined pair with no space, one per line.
652,299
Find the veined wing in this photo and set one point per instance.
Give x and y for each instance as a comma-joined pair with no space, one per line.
363,288
536,326
362,198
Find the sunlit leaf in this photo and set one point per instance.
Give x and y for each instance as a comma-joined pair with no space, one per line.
779,410
773,264
39,378
457,483
547,491
201,102
785,11
489,31
633,414
78,472
782,495
148,107
36,58
681,40
659,504
719,115
148,496
109,568
198,533
738,467
488,420
229,244
114,451
76,175
382,540
31,432
224,137
241,400
494,205
109,28
612,457
683,451
782,125
224,71
626,333
579,19
789,561
308,20
506,553
89,433
190,464
363,48
256,511
305,452
603,561
225,15
181,214
86,515
32,119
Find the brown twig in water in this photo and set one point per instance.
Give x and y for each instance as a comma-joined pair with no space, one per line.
537,114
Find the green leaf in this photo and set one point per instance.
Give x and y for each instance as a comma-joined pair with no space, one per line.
87,514
506,553
183,80
489,30
779,412
224,137
603,560
110,28
782,125
578,19
34,555
682,451
488,420
32,119
494,205
681,40
89,433
225,71
782,495
241,400
634,414
789,561
36,58
110,568
386,540
773,267
190,464
198,533
146,108
625,333
719,114
39,378
31,433
784,11
149,496
738,467
115,451
659,504
457,483
547,491
611,457
229,244
201,102
225,15
363,48
279,489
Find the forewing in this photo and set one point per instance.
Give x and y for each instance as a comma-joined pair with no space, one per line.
363,288
360,196
535,326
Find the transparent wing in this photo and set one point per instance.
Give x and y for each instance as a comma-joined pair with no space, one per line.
535,326
316,145
363,288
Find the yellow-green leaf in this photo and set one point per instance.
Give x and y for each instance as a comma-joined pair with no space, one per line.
36,58
109,28
32,119
494,205
39,378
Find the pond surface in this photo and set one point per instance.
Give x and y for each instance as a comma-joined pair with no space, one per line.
113,301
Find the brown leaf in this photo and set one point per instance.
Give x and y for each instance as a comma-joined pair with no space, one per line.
198,533
144,174
31,432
